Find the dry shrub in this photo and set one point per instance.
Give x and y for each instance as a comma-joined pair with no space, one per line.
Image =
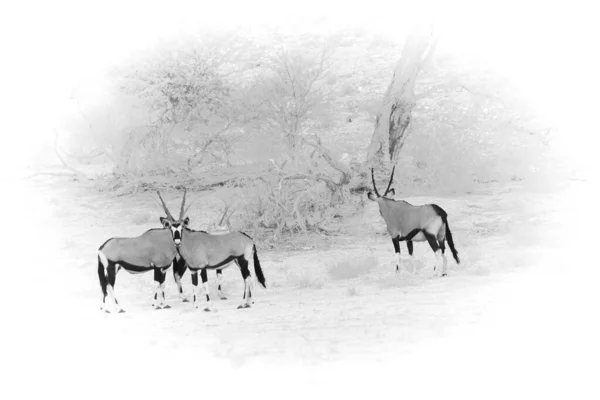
275,207
352,267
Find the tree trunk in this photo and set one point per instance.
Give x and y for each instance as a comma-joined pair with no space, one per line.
394,119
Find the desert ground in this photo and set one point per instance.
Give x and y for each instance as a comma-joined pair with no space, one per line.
335,318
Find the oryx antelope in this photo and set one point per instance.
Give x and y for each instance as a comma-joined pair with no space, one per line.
409,223
153,250
201,250
180,266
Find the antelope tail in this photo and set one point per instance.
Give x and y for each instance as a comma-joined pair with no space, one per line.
102,277
257,269
451,242
439,211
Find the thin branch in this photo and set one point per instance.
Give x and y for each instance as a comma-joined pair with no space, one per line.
76,172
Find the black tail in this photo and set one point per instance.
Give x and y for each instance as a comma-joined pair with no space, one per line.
102,277
257,269
451,242
439,211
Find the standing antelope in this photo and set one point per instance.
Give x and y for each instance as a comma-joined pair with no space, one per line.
153,250
180,266
201,250
409,223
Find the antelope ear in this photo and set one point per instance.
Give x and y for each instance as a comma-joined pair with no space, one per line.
165,222
392,192
186,221
371,196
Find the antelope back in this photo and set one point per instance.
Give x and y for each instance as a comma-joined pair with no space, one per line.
201,248
153,247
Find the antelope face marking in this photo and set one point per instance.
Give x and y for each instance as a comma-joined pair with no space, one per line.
176,229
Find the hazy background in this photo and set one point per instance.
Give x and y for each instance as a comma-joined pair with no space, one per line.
69,47
516,317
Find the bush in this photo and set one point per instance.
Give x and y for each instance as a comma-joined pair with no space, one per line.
276,206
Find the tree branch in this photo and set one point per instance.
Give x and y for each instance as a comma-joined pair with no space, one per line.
76,172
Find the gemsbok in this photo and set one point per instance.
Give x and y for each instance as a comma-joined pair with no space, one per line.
409,223
201,250
153,250
180,266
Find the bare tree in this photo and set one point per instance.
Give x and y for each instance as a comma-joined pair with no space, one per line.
294,90
393,122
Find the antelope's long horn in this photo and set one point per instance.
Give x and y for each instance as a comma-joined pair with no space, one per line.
391,179
165,206
373,178
182,205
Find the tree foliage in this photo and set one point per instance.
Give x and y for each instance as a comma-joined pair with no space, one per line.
210,102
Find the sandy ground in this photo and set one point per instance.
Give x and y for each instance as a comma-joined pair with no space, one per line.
515,318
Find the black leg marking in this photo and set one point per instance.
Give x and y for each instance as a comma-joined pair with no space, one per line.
204,276
409,244
163,278
157,278
396,243
111,275
219,288
243,264
157,275
443,248
112,278
195,283
432,241
244,267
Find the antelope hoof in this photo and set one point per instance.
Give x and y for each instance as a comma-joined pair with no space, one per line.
166,306
222,297
444,274
106,311
240,306
207,309
247,306
121,311
185,300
